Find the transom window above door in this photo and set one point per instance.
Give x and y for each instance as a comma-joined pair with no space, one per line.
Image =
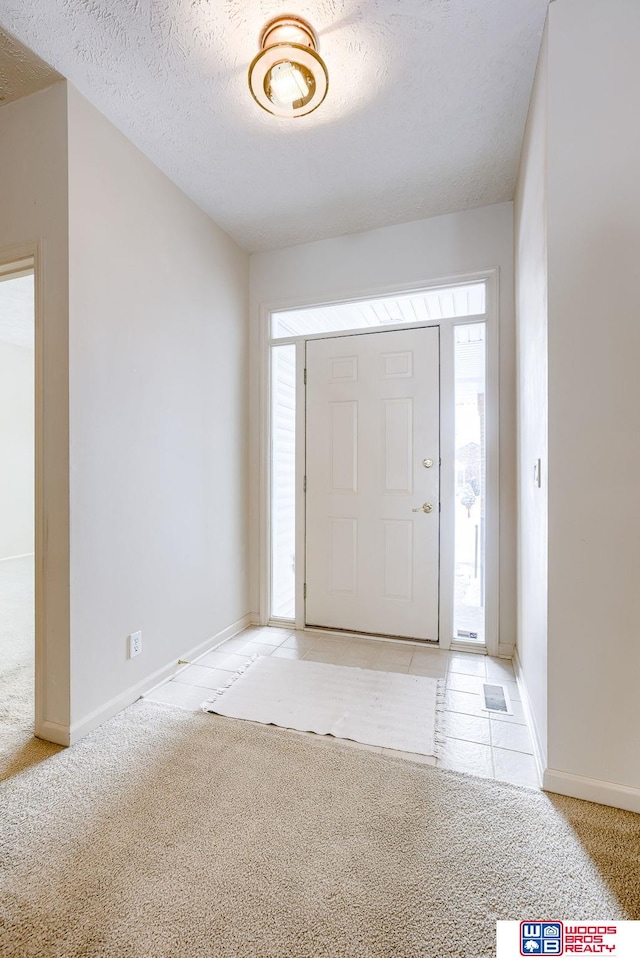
424,306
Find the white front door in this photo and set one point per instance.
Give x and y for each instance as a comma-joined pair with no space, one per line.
372,460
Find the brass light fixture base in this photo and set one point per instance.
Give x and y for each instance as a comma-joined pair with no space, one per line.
288,28
288,76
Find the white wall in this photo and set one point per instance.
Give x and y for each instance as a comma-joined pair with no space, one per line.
578,249
16,450
532,366
411,253
33,205
594,390
158,357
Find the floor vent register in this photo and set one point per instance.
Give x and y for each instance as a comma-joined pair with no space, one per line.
495,698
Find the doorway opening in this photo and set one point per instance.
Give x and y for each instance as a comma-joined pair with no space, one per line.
463,472
17,508
18,747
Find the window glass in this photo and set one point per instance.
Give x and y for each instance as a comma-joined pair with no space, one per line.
469,364
283,480
427,306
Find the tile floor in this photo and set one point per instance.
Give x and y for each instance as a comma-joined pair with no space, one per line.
493,747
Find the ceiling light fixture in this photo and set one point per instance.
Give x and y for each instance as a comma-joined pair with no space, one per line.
288,77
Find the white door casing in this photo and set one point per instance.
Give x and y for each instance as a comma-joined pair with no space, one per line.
372,418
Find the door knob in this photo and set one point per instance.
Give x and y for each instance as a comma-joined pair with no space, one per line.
425,507
427,463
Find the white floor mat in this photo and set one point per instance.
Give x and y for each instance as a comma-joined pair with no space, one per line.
387,709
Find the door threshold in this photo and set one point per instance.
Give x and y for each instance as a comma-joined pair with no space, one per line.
377,637
478,647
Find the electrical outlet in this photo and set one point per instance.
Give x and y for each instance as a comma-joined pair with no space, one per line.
135,644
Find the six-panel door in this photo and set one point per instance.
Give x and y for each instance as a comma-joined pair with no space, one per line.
372,422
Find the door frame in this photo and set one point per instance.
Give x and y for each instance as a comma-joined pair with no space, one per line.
447,474
15,261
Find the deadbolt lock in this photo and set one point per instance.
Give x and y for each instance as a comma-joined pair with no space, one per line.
427,463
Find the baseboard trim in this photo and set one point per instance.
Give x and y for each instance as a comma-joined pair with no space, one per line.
192,657
53,732
539,751
592,789
81,728
506,650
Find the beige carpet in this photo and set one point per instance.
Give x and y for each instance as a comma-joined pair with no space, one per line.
168,833
18,746
386,709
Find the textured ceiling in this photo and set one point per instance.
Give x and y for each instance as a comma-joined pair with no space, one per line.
21,71
425,112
